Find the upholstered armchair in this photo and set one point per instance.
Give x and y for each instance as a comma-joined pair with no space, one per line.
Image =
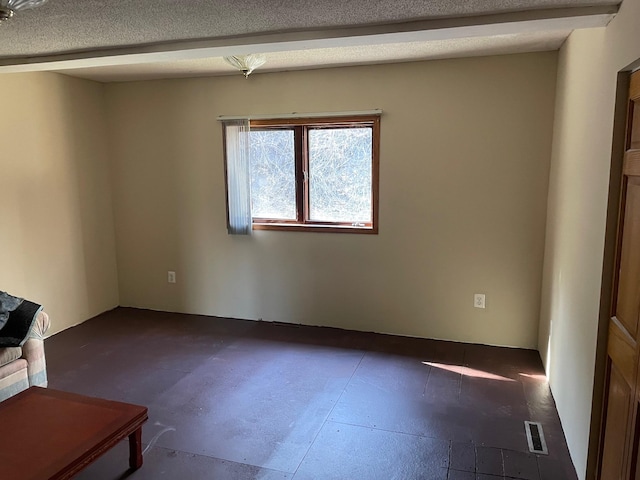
25,366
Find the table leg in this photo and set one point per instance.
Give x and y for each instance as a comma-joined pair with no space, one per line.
135,449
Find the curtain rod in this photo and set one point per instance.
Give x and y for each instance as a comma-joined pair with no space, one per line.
356,113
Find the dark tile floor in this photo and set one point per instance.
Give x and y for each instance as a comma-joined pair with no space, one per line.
231,399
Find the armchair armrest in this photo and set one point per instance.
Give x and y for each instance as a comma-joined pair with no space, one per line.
33,351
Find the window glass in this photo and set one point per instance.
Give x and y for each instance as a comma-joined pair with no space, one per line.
340,174
273,174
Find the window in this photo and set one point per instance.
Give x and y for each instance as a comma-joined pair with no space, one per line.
315,174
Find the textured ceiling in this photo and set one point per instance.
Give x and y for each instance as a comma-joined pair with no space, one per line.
71,25
140,39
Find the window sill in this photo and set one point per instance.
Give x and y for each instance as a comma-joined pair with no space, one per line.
296,227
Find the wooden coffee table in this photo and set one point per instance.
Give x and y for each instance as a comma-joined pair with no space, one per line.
49,434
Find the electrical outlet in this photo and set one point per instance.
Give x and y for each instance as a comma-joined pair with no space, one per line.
171,277
478,300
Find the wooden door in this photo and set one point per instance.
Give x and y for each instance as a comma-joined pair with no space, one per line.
621,433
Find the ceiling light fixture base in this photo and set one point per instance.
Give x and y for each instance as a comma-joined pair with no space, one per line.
5,14
9,7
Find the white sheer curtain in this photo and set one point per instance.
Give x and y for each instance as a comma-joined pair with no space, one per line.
236,138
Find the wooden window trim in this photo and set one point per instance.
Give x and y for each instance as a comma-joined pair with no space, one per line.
301,126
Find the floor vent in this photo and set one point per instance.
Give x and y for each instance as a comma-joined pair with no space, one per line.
535,438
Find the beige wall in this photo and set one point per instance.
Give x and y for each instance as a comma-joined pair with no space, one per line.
57,241
588,64
465,154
